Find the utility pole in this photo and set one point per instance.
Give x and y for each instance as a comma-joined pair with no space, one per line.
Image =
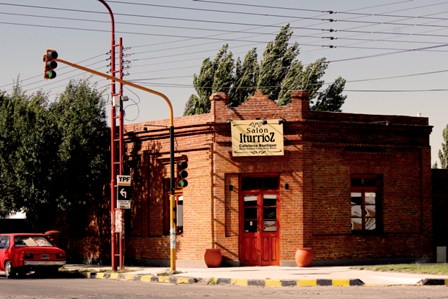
117,153
117,147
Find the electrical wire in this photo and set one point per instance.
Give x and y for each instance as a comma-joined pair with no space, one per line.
340,38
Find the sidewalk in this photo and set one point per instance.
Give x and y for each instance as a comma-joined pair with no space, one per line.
272,276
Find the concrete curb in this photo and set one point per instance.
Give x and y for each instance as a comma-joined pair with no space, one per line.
275,283
272,283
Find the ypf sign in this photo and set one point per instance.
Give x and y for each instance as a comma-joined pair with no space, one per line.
124,191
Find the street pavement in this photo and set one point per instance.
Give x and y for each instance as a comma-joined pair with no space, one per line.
272,276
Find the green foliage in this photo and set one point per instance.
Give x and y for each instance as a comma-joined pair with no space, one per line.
52,156
332,99
245,80
443,153
277,59
28,144
277,74
81,119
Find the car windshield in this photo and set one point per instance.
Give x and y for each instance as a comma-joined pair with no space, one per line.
22,241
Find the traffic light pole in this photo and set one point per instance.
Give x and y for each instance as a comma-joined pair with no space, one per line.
171,128
116,160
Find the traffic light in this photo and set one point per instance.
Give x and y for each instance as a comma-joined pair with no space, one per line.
182,174
50,64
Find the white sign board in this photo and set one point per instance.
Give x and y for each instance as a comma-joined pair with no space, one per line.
124,204
123,180
257,138
123,191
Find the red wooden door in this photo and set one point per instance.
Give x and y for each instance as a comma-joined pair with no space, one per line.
259,230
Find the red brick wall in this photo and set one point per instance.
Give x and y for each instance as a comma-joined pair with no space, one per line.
322,150
407,229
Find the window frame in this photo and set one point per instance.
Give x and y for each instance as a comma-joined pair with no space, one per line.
6,243
369,183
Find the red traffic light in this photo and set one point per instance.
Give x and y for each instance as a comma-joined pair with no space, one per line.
50,64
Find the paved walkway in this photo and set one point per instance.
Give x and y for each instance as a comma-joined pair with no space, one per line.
274,276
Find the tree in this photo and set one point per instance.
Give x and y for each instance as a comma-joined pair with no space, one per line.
83,153
276,75
443,153
28,162
214,75
52,156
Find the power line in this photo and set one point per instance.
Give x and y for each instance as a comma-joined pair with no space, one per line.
136,15
140,24
398,76
398,16
195,37
224,11
38,78
218,10
396,90
145,33
285,8
245,40
322,31
389,53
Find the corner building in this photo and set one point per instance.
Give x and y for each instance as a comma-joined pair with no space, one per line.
265,180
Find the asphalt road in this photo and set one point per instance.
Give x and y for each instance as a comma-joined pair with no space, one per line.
98,288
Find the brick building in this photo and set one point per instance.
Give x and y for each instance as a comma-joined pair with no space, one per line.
265,180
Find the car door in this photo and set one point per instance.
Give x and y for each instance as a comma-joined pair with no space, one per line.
4,245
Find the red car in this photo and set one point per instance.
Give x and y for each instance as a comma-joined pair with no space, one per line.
21,253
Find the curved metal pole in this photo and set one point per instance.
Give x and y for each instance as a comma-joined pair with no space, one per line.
112,191
113,133
112,38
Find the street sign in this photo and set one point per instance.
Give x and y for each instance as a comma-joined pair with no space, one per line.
124,204
124,191
123,180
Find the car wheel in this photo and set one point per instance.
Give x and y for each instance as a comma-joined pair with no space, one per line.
9,270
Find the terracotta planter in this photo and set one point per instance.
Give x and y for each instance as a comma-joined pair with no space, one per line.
304,257
213,257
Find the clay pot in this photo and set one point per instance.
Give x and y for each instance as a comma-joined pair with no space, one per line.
213,257
304,257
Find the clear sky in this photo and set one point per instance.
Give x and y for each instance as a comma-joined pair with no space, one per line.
393,53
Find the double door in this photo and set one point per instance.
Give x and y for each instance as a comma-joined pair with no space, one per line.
259,228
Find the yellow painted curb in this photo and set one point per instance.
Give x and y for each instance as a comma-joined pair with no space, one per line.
114,276
146,278
183,280
272,283
239,282
307,283
341,282
164,279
